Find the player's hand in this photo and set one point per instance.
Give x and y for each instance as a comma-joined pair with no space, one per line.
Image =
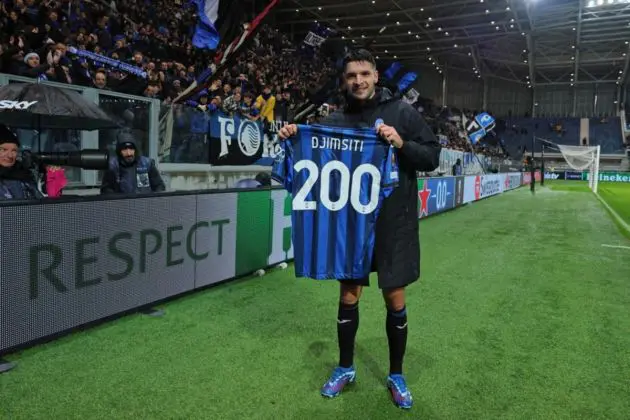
287,131
390,135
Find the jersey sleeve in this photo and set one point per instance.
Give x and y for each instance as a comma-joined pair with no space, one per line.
281,170
389,178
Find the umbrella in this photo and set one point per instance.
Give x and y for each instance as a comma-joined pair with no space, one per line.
40,106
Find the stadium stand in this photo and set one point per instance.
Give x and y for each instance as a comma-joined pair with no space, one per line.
153,57
519,131
606,132
150,45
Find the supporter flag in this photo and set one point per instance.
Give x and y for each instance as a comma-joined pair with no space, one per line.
245,34
406,81
401,84
316,37
392,70
218,19
411,96
477,128
236,140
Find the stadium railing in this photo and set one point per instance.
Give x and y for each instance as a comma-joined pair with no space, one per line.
70,262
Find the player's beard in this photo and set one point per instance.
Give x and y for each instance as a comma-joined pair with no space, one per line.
362,95
354,102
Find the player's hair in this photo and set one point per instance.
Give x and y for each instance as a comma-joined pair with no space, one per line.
359,55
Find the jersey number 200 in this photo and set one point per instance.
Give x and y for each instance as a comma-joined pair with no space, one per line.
350,185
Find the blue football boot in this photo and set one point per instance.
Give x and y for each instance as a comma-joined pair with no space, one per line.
338,380
400,394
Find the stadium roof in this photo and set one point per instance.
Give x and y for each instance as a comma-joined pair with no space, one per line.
548,42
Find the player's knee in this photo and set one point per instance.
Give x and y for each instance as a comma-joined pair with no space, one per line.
350,294
394,299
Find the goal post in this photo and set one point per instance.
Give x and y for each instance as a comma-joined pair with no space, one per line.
583,158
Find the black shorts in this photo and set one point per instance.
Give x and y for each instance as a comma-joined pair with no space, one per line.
384,285
365,281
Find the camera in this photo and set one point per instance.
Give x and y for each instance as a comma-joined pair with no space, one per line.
93,159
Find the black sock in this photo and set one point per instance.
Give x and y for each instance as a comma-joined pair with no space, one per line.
347,326
396,326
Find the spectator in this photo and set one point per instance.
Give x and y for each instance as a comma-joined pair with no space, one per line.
285,107
457,168
266,103
16,181
248,108
100,80
129,173
232,104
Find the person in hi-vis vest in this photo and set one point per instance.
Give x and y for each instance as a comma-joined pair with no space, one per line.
129,173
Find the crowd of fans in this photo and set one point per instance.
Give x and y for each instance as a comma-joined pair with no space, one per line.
57,40
268,81
448,125
40,39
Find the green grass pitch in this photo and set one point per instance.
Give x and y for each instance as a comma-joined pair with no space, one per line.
615,194
521,313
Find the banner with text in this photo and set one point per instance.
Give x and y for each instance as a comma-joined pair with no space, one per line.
435,195
477,187
71,271
236,140
621,177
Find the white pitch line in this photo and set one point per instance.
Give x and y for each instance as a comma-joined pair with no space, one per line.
616,246
614,213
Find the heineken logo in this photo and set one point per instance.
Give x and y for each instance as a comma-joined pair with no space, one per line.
615,177
622,177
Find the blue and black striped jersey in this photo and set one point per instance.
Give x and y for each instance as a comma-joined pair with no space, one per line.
338,179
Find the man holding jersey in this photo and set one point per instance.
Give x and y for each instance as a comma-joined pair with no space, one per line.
396,256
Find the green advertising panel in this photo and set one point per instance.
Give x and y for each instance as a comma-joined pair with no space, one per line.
623,177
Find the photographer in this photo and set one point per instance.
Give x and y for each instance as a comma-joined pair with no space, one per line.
16,182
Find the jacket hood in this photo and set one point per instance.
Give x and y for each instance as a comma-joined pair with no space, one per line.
125,139
384,95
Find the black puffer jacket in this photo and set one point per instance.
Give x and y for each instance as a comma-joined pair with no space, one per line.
397,248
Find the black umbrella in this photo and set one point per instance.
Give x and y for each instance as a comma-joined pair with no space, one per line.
39,106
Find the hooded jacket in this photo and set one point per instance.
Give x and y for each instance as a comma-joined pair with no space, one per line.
397,246
137,177
18,183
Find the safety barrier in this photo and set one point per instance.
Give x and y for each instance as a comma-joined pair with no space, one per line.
73,261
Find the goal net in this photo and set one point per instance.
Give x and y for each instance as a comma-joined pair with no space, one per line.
583,158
